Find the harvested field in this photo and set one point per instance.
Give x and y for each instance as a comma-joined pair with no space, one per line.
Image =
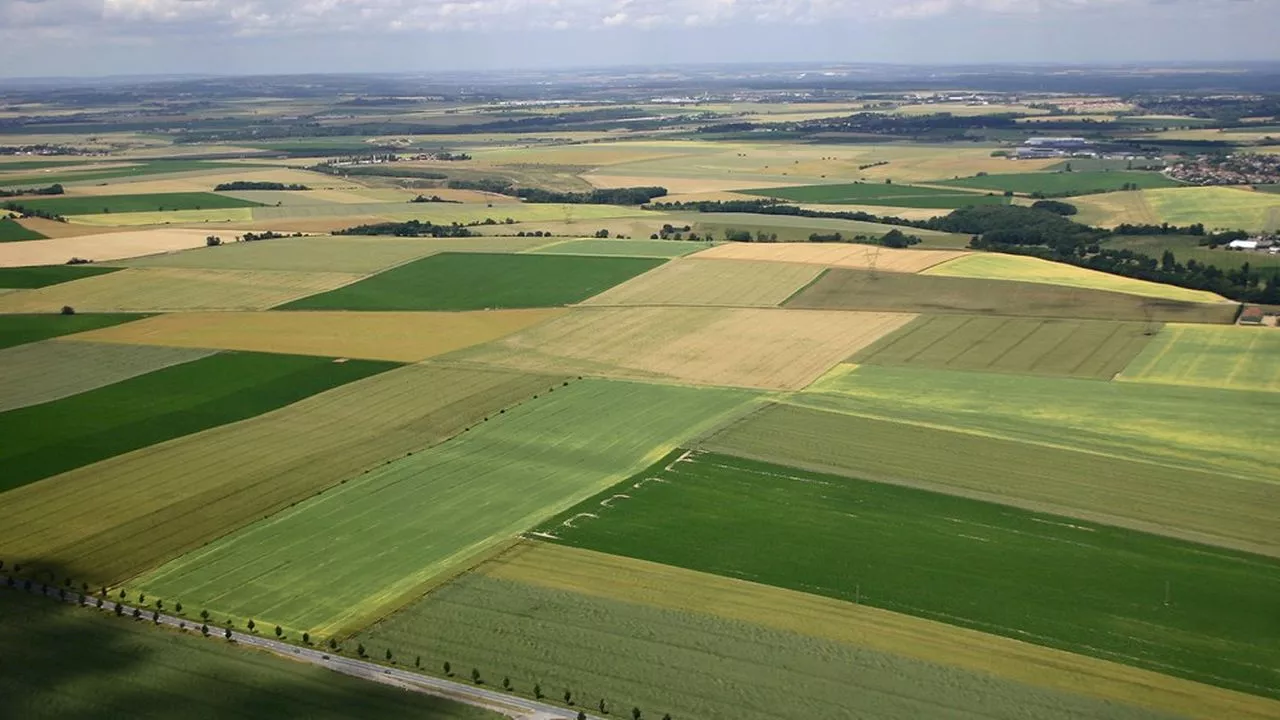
645,635
1239,358
421,515
110,521
154,202
994,266
446,213
38,277
631,248
1079,348
861,290
742,347
176,289
21,329
474,281
55,229
1069,584
205,218
1111,209
397,336
340,253
693,281
11,231
859,257
44,371
101,246
169,402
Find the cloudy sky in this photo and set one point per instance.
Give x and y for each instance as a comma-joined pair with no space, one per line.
100,37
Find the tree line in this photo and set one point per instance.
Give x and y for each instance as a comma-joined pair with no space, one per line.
603,196
54,189
256,185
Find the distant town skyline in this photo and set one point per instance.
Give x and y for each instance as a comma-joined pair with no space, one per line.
108,37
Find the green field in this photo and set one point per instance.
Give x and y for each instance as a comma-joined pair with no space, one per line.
798,229
45,275
1240,358
86,663
1189,610
309,568
87,174
154,202
11,231
843,289
626,248
1064,183
1078,348
55,437
20,329
461,281
908,196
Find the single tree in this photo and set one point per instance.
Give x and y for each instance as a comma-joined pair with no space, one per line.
666,716
204,630
82,599
388,654
635,713
537,691
122,594
506,683
119,609
178,608
155,616
182,626
228,633
137,613
159,604
582,715
475,676
251,625
603,709
306,638
204,615
142,599
448,669
99,603
568,697
279,631
360,650
333,644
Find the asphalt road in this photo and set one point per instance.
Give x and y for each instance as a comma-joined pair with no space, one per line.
509,705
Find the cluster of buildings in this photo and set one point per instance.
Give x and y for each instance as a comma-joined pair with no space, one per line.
1236,169
1258,243
1052,147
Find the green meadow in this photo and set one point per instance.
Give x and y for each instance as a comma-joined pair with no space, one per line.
38,276
11,231
1064,183
153,202
22,329
893,195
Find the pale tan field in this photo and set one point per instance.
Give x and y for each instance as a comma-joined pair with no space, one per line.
1111,209
204,181
680,185
176,289
860,257
740,347
213,220
396,336
692,281
54,229
662,586
99,246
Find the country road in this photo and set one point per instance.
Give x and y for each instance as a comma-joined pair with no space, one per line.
509,705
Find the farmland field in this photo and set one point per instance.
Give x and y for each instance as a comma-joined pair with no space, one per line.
744,347
841,288
11,231
47,439
995,266
632,248
1079,348
833,437
1064,183
1092,589
38,277
81,663
85,173
666,639
855,256
44,371
307,568
790,228
110,521
460,281
157,202
20,329
906,196
1215,207
695,281
107,245
170,289
1234,357
397,336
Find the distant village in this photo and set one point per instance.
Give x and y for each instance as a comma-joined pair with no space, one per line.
1234,169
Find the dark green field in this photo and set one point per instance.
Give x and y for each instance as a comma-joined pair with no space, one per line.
149,167
1195,611
44,440
843,289
11,231
879,194
136,203
461,281
39,276
1065,183
68,662
23,329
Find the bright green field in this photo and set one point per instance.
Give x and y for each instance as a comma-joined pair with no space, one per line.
45,275
156,202
631,248
85,663
151,167
20,329
1190,426
910,196
11,231
1083,587
1064,183
1078,348
343,558
54,437
1242,358
1216,207
460,281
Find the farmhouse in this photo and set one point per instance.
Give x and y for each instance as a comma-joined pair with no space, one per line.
1251,315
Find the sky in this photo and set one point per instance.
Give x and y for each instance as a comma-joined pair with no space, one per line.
113,37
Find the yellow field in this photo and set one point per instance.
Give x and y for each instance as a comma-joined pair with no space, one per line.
994,266
860,257
724,283
170,217
205,181
398,336
99,246
740,347
1111,209
1215,207
175,289
661,586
